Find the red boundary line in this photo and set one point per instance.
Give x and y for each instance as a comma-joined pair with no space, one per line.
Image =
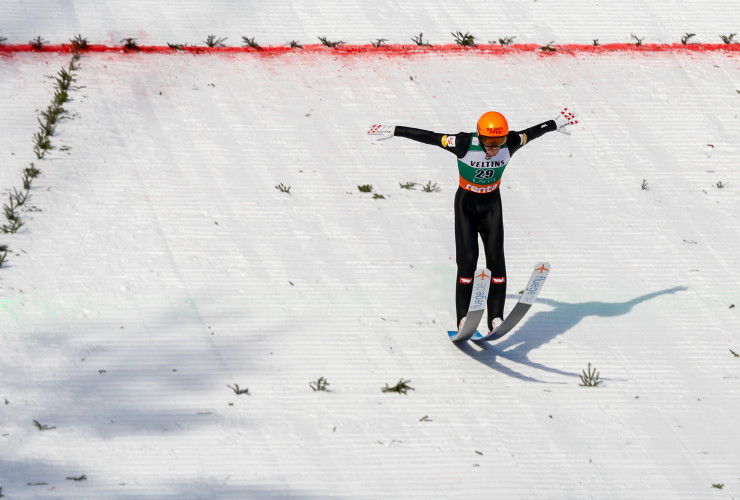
392,50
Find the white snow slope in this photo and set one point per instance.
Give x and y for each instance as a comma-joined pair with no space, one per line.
158,263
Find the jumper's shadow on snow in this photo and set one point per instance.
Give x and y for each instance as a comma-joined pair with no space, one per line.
545,326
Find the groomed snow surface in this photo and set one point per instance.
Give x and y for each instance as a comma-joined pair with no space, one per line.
159,264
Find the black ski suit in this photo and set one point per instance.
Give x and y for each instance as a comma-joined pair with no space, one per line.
478,207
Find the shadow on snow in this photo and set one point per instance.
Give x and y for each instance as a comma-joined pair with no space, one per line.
545,326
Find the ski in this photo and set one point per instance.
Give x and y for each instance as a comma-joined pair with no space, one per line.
481,284
536,281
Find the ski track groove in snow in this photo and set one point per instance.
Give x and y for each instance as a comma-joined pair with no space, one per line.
164,265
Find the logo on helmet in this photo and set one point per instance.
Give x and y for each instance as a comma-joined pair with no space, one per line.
493,124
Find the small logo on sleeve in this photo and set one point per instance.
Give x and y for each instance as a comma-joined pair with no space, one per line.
448,141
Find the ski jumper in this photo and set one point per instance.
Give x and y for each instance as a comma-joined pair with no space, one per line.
478,207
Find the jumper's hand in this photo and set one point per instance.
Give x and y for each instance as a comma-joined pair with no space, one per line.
565,119
381,132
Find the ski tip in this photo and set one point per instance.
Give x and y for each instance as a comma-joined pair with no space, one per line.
543,267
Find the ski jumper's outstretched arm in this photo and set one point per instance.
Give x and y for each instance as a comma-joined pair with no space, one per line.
559,123
458,143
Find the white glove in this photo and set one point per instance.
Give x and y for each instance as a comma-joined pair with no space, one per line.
564,119
381,132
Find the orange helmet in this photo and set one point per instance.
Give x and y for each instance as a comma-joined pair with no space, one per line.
493,124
